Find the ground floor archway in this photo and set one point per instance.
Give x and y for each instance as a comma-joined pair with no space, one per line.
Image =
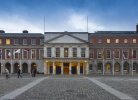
8,66
16,67
33,66
24,68
99,67
117,67
126,68
108,68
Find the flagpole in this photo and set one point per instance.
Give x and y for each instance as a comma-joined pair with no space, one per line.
113,60
122,62
44,24
87,23
11,61
103,61
132,61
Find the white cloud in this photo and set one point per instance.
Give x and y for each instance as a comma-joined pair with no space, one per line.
75,22
79,22
16,24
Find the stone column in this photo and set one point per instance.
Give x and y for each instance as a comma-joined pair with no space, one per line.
78,68
62,68
45,67
29,67
87,68
62,52
11,68
54,68
113,68
70,68
103,68
70,52
122,68
53,51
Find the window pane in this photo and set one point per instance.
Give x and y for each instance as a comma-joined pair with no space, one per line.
57,52
74,52
48,52
82,52
8,42
65,52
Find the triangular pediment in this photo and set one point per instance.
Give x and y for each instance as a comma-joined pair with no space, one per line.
66,39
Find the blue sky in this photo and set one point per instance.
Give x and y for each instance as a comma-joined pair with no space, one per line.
68,15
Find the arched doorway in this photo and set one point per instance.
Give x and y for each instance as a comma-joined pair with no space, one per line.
108,68
33,66
0,67
126,67
16,67
25,68
99,67
135,67
117,67
8,66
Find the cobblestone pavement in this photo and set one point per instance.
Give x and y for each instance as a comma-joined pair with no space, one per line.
66,88
7,86
127,85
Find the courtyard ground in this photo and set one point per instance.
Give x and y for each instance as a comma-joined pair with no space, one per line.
62,87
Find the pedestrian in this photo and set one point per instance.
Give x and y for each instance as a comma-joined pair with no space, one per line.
19,73
7,73
35,71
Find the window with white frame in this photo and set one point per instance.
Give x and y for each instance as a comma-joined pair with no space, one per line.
16,55
33,54
8,54
91,53
25,54
116,53
125,40
66,51
125,54
99,53
16,41
33,41
48,52
58,52
24,41
116,40
41,53
83,52
108,54
108,41
74,52
134,54
134,41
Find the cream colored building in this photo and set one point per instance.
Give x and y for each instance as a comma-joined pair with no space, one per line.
66,53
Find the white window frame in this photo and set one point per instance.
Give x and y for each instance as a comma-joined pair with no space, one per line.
31,53
23,54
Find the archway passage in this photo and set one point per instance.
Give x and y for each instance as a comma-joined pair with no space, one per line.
126,67
81,68
58,70
135,67
99,67
66,68
74,70
16,67
117,67
25,68
0,67
33,66
8,66
108,68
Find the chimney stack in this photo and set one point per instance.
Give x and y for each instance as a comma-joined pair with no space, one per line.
25,31
2,31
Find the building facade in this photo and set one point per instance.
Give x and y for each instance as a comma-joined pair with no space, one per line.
21,50
102,52
66,53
